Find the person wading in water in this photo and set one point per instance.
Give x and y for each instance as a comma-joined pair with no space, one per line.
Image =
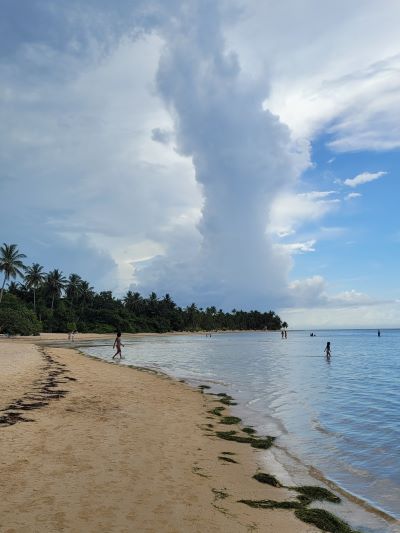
118,344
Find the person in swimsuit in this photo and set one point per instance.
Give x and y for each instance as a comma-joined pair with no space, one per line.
118,344
328,350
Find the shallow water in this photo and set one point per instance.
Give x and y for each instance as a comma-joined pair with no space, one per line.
339,417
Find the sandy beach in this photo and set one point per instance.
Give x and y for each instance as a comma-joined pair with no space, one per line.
115,449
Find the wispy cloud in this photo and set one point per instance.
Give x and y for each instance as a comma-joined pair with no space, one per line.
364,177
352,195
298,247
354,93
290,211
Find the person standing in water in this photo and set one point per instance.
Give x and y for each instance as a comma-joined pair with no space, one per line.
379,332
118,344
328,350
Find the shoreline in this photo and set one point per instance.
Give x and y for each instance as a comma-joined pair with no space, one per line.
120,450
248,455
367,511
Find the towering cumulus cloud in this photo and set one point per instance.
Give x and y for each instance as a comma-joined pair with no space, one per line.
242,157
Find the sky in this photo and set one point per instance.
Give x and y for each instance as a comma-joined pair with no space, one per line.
242,154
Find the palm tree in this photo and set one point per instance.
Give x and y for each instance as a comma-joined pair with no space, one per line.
73,287
10,263
86,293
56,283
133,301
34,279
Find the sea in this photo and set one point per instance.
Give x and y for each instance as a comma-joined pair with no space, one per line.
336,421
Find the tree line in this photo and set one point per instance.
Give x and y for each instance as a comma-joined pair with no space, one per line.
52,302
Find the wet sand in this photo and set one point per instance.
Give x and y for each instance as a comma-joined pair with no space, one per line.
121,450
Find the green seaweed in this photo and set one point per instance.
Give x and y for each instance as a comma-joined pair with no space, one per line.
267,478
304,500
271,504
250,431
227,459
204,387
323,520
230,420
312,493
227,400
232,435
262,443
217,410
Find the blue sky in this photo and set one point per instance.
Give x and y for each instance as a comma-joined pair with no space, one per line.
237,154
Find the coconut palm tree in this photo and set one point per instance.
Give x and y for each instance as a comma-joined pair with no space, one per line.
10,263
56,283
34,279
133,301
73,287
86,294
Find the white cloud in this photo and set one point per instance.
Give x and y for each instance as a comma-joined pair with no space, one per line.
80,157
350,89
379,315
290,211
310,305
242,156
150,159
352,195
365,177
298,247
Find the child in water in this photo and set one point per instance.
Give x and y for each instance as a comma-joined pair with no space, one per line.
328,350
118,344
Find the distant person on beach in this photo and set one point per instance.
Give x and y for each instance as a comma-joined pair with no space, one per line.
118,344
379,332
328,350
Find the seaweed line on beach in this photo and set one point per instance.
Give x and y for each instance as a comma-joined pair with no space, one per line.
44,389
306,495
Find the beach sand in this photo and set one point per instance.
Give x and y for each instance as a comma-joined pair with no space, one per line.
123,450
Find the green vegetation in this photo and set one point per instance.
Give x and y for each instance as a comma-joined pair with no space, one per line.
227,459
250,431
323,520
311,493
16,318
230,420
217,411
267,478
63,303
263,443
271,504
307,494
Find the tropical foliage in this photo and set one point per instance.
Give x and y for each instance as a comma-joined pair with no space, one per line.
10,264
60,304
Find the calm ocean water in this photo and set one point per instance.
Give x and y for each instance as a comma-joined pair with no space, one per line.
337,420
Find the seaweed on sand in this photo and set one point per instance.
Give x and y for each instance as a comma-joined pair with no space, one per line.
271,504
249,430
261,443
217,410
310,493
227,459
230,420
324,520
226,399
267,478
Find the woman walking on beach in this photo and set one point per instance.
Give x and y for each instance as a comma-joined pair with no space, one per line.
118,344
